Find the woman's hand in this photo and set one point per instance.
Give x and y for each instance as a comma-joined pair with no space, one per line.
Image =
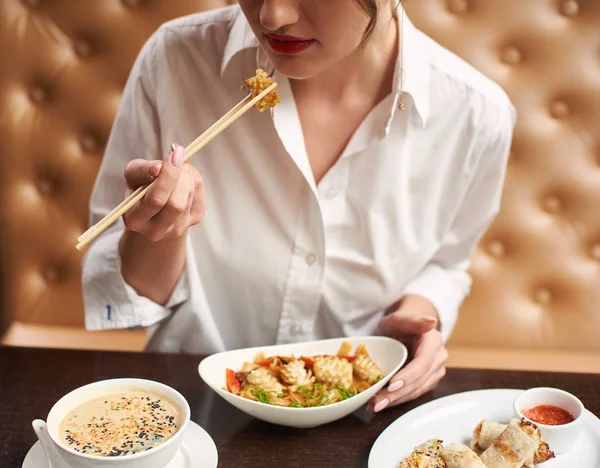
415,324
174,202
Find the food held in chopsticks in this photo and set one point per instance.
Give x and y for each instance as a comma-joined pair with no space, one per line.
486,432
256,85
494,445
262,95
305,381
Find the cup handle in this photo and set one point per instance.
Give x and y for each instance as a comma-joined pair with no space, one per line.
54,458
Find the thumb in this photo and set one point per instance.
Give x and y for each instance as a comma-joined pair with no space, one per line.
400,323
141,172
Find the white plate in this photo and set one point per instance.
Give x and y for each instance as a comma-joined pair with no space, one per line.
198,450
453,418
389,354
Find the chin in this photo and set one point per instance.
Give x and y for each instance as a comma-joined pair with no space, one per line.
298,67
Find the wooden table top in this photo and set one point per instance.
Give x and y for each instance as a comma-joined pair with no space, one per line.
32,380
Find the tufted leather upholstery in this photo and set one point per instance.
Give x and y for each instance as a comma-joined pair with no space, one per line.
64,65
536,273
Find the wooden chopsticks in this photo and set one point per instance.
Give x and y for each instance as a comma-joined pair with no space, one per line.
235,113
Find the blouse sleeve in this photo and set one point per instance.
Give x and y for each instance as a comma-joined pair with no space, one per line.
445,280
109,301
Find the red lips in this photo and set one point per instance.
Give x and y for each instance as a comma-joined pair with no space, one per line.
288,45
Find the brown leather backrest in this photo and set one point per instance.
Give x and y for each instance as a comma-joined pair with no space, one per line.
537,271
64,64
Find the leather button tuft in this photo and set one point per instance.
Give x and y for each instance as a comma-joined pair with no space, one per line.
131,3
50,274
570,8
45,187
552,204
31,3
559,109
512,56
595,251
458,7
89,144
37,94
83,49
496,248
543,296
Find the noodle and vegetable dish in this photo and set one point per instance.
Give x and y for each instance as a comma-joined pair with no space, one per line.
305,381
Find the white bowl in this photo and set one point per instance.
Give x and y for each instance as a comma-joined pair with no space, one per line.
561,439
158,457
388,354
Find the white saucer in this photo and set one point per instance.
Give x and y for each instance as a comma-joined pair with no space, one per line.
453,418
198,450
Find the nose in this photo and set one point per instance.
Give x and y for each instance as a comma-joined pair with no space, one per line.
276,14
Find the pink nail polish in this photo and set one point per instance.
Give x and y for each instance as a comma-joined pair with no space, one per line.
428,320
381,405
397,385
176,153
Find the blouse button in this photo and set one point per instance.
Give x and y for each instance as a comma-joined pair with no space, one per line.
294,329
331,193
310,259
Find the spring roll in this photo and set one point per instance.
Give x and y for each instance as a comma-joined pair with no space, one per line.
487,431
461,456
515,447
425,455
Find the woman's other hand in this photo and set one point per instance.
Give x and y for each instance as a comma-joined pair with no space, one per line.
174,202
415,324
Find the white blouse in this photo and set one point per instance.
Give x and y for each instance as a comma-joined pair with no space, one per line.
279,258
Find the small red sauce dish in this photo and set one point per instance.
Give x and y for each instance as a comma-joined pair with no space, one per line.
557,413
549,415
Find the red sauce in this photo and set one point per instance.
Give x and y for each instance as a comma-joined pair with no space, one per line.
549,415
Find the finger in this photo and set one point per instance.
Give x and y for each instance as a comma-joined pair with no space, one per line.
185,220
175,208
432,381
141,172
398,324
199,201
158,195
429,355
393,399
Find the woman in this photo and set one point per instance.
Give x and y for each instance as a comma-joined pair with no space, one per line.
352,211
